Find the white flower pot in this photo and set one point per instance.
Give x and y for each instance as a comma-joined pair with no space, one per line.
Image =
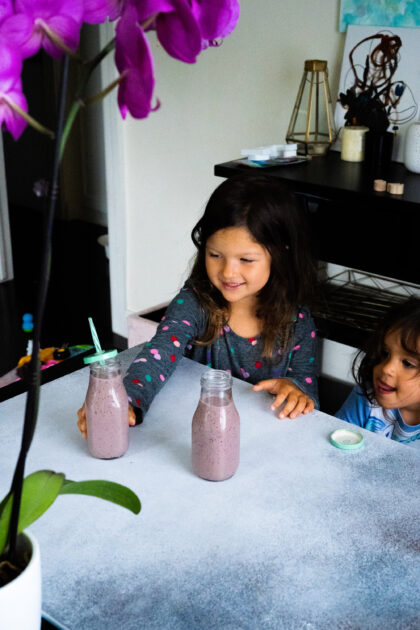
20,600
412,148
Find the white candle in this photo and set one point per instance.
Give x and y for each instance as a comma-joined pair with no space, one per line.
353,144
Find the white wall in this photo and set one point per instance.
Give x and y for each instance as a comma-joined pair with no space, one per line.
239,95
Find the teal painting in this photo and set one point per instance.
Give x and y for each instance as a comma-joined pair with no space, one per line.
397,13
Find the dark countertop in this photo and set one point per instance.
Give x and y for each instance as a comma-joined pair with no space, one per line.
331,176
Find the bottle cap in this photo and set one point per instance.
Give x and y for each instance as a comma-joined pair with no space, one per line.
100,356
346,439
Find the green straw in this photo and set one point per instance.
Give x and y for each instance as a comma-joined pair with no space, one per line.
95,338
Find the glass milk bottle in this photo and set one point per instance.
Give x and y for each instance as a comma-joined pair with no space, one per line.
215,429
106,407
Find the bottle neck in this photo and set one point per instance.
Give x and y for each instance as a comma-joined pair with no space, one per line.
209,393
216,384
107,369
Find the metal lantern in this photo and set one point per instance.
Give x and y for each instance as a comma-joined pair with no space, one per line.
312,122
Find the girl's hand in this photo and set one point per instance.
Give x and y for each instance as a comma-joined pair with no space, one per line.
81,422
284,390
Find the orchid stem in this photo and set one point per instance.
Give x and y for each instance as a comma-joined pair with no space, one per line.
100,95
69,124
59,42
31,121
78,102
34,379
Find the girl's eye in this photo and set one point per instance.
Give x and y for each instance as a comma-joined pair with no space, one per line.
409,364
213,255
246,260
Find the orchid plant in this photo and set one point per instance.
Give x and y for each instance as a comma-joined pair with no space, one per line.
184,29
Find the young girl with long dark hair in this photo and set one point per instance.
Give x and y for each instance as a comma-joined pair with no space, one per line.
387,397
244,306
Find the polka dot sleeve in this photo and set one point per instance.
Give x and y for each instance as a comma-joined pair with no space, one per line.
303,356
184,321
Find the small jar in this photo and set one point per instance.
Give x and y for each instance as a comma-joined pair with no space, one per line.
215,429
106,408
353,144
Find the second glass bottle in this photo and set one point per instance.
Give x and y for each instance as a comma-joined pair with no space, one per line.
215,429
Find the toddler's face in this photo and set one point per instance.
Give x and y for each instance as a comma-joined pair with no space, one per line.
236,264
396,379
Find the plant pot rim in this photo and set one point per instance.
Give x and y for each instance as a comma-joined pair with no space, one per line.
34,557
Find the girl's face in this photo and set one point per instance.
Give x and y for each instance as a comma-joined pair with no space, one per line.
396,379
237,265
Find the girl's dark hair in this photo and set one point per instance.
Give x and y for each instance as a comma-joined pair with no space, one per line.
403,317
276,220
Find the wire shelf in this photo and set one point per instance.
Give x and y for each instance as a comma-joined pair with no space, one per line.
358,299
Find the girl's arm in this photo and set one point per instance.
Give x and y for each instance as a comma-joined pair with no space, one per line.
303,357
298,388
184,321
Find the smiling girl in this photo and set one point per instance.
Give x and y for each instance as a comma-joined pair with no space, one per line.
387,397
243,308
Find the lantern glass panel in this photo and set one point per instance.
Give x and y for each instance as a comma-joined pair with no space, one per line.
312,122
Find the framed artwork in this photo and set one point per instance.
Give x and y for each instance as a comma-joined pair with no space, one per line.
385,13
405,77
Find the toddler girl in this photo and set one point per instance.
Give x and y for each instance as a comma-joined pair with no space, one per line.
387,397
243,308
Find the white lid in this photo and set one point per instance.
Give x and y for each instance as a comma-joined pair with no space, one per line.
346,439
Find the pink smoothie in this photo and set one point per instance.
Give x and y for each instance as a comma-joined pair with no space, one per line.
215,439
107,417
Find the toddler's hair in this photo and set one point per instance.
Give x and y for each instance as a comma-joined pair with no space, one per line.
403,317
276,221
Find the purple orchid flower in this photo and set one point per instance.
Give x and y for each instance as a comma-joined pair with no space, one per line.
134,62
175,25
216,18
11,92
51,24
97,11
6,9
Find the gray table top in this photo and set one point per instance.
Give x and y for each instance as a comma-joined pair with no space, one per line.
304,536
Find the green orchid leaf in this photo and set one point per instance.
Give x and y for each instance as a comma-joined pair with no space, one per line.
39,491
108,490
41,488
3,503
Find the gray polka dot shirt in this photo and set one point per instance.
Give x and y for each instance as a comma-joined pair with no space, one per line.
185,321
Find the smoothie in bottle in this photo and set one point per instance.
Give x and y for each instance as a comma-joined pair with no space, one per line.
106,409
215,429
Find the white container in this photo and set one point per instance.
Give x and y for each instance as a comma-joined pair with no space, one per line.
20,600
270,152
412,148
353,144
